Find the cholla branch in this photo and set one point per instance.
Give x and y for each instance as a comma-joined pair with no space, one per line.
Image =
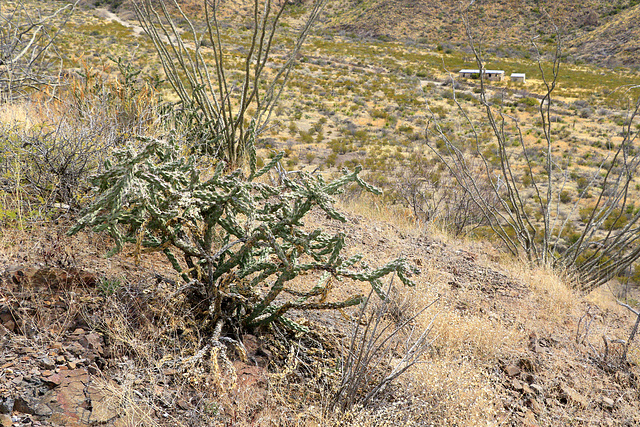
241,241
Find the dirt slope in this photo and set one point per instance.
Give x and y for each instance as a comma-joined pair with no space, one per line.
85,341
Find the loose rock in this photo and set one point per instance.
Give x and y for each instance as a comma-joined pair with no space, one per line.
608,403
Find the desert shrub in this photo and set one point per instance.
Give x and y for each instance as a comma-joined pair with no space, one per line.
405,128
306,137
52,160
428,191
239,242
529,102
565,197
615,220
384,343
310,156
379,114
28,58
332,159
123,97
51,163
582,183
339,146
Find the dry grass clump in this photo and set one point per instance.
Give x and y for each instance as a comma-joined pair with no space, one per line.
374,209
554,299
461,391
155,359
475,336
17,113
439,391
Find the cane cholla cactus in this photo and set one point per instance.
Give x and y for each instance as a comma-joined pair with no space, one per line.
241,241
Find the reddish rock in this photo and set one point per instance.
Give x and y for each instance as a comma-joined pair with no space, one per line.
512,370
53,277
92,341
103,409
5,420
68,398
249,375
7,320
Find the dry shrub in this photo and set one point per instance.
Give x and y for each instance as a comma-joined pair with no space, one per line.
554,299
431,194
51,162
29,57
49,149
385,343
463,334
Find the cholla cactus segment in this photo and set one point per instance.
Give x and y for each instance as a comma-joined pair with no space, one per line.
240,240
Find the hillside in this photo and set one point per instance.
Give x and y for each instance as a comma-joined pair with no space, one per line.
614,42
597,32
504,26
150,336
510,345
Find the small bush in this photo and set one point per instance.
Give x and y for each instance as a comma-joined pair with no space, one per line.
306,137
565,197
52,163
331,159
615,220
529,102
379,114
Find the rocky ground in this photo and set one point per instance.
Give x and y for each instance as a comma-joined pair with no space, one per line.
65,362
49,377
